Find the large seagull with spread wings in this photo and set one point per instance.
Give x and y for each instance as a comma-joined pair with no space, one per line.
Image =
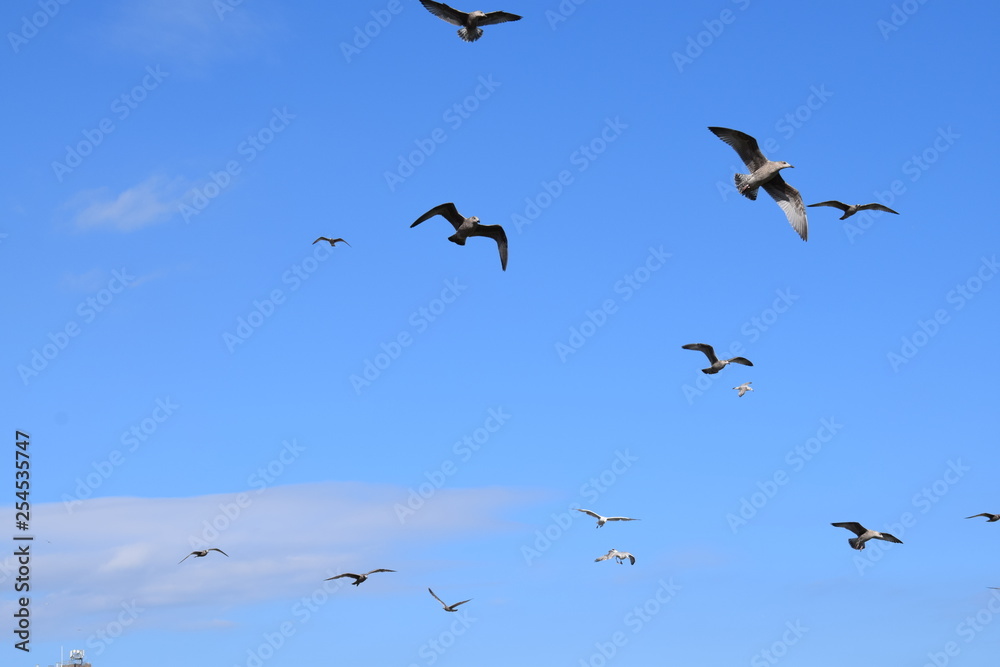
764,174
466,227
470,30
716,363
864,534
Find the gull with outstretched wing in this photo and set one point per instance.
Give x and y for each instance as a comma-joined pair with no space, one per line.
466,227
469,22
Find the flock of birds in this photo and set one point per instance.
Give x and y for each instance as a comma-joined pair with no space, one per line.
764,173
619,556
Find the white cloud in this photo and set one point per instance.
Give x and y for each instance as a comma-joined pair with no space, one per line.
110,552
152,201
88,281
191,31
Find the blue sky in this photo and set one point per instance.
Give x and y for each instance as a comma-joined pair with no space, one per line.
193,372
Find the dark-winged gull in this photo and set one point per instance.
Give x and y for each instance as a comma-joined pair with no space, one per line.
744,388
764,173
620,556
466,227
358,578
202,554
851,209
470,30
601,520
448,607
332,242
717,364
863,534
990,518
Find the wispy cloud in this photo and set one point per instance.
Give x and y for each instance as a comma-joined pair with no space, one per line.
192,31
284,539
152,201
88,281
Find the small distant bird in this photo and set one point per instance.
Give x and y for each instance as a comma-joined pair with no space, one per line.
620,556
717,364
601,520
332,242
764,173
448,607
202,554
358,578
470,30
850,210
863,534
990,518
744,388
466,227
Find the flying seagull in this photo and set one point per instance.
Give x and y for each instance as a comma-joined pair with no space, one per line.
447,607
850,209
863,534
332,242
990,518
202,554
764,173
358,578
601,520
717,364
620,556
466,227
470,30
744,388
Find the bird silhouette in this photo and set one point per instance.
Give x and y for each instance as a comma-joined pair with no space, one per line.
863,534
358,578
716,363
466,227
202,554
764,173
332,242
448,607
851,209
470,30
